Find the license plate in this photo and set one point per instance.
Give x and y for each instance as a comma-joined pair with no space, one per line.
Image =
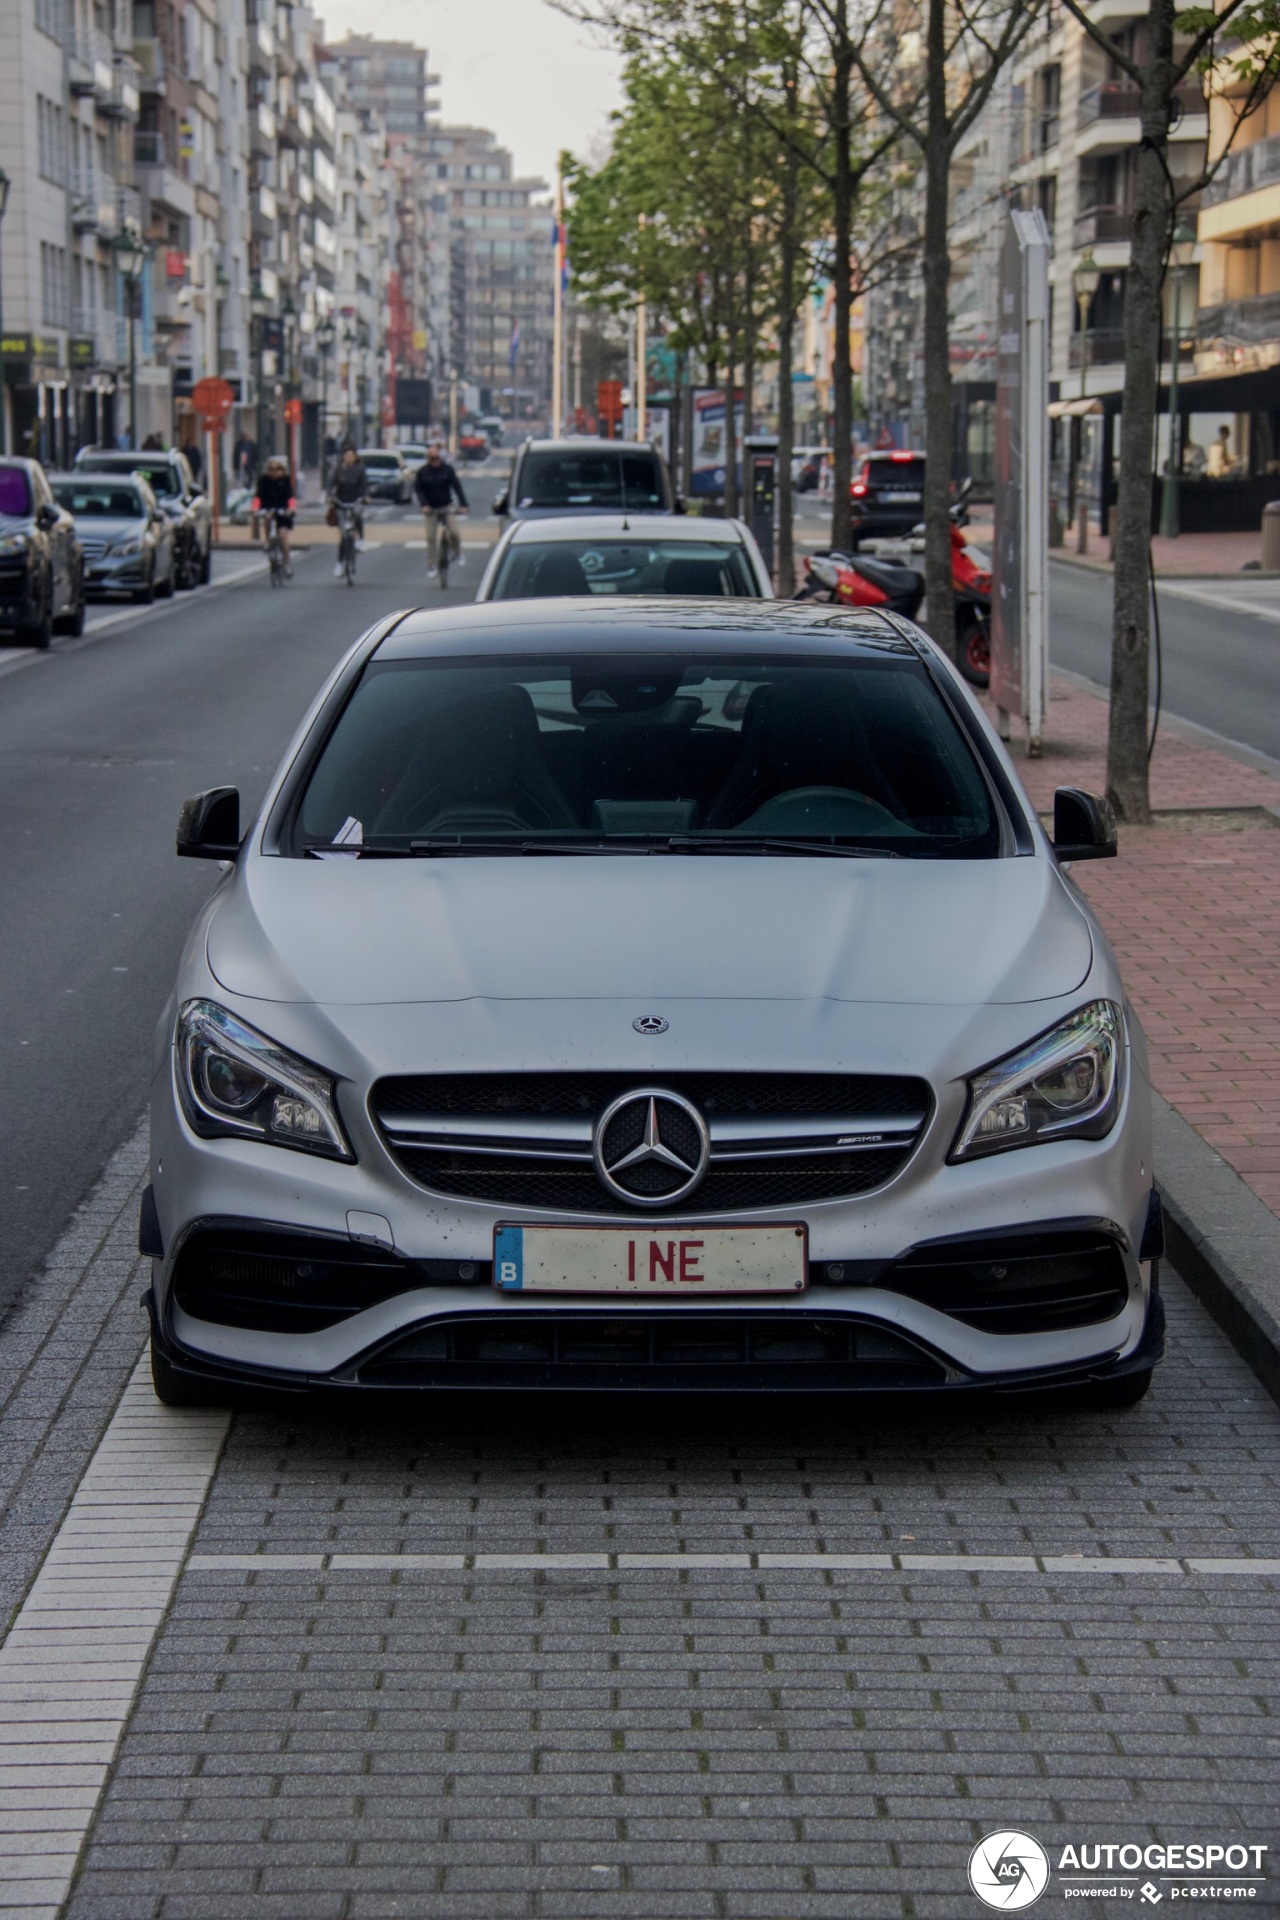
902,499
691,1262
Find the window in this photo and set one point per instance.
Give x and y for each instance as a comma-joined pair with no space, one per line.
1048,101
51,19
53,285
51,141
533,569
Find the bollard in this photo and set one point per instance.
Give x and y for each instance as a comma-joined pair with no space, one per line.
1082,529
1271,537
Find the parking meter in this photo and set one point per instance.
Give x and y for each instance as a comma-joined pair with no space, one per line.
760,451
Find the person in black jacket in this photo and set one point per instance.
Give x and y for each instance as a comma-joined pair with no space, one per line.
274,494
437,486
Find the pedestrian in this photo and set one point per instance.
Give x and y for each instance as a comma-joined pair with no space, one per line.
244,457
195,459
153,444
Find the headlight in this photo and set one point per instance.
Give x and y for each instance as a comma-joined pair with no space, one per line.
1065,1085
13,542
236,1081
132,545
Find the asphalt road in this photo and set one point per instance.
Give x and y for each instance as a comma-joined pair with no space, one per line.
101,740
1220,639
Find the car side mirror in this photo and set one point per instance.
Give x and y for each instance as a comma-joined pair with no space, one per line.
209,825
46,516
500,504
679,505
1084,826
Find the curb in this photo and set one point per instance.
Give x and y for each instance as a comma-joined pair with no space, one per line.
1222,1239
1107,567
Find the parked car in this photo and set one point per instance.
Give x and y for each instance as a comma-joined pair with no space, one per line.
806,468
493,427
887,494
604,554
648,994
126,537
473,445
390,476
41,565
186,505
586,476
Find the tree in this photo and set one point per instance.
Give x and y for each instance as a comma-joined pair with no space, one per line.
963,47
1253,62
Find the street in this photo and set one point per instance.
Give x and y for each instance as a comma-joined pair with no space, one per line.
101,740
496,1660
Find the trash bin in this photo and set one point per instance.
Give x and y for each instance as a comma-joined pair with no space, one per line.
1271,537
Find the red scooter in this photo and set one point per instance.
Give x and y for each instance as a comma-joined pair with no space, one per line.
856,580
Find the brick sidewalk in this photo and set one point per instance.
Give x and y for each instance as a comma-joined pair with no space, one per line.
1192,907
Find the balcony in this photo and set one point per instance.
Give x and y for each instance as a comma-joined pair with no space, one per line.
1244,196
1250,322
1110,116
92,194
152,68
1099,225
124,101
162,182
262,129
1106,347
91,62
262,47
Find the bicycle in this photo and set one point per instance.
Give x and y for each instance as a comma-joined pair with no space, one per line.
347,543
447,541
276,561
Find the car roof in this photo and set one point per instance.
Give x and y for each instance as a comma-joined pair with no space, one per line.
641,526
111,459
81,476
644,624
388,453
576,442
895,453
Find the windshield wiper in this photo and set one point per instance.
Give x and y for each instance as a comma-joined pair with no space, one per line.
457,846
772,843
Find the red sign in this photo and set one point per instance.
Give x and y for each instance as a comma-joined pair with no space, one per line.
293,413
609,399
213,400
175,264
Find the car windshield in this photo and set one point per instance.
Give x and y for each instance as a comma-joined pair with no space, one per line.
101,500
15,493
380,459
590,477
662,753
534,568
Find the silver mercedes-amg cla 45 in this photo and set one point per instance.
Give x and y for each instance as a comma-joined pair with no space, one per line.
666,995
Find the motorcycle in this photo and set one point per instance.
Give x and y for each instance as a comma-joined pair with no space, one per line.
857,580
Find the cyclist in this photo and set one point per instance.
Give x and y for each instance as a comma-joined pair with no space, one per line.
274,495
437,486
349,487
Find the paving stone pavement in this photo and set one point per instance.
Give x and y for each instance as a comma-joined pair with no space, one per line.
786,1745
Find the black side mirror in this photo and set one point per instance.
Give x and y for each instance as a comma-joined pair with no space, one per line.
678,505
1084,826
46,516
209,825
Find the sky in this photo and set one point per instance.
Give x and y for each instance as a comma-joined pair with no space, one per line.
517,66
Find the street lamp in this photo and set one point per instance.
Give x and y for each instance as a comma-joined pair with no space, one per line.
1181,249
326,334
131,259
1086,277
4,376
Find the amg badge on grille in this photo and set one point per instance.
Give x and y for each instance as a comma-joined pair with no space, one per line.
651,1023
651,1147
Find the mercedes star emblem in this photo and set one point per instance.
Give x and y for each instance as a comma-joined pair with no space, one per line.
650,1023
651,1147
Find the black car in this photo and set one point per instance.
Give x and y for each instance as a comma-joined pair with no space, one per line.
186,505
41,565
887,495
586,476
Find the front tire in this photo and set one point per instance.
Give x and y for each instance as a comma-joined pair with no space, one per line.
40,632
143,596
72,623
174,1389
206,566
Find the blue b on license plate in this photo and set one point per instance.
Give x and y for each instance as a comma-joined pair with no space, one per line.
645,1261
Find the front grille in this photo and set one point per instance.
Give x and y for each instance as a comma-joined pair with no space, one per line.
524,1141
653,1351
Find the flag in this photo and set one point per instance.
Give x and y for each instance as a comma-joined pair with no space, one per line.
514,349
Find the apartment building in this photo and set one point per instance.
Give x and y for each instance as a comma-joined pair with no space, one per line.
501,269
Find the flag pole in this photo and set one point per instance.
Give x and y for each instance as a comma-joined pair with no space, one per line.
557,314
642,354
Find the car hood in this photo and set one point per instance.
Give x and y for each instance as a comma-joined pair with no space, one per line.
373,932
108,526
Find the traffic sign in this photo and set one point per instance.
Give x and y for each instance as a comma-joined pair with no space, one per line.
293,413
213,400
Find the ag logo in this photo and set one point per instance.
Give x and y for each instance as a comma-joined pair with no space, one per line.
1009,1871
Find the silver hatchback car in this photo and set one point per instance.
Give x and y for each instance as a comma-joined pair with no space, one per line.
649,994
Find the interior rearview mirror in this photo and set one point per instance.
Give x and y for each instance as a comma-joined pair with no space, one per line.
1084,826
209,825
46,516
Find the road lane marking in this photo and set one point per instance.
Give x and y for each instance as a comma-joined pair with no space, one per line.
1050,1565
74,1657
1203,596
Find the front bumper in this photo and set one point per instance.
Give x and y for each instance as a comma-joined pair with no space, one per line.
116,574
